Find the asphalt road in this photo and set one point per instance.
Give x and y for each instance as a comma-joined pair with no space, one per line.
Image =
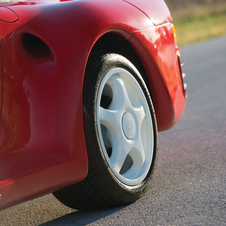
189,187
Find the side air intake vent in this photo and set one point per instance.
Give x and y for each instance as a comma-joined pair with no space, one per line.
35,46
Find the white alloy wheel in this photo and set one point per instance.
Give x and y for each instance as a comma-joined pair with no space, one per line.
125,126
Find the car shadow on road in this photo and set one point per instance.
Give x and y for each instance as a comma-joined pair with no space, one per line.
82,217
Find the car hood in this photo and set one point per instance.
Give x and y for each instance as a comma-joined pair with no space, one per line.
156,10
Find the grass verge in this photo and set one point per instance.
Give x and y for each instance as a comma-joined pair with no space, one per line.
195,22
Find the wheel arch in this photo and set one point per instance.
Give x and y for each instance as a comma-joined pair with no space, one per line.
118,44
141,56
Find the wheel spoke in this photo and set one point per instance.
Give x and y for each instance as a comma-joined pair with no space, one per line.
139,113
120,95
139,158
119,153
109,117
138,144
111,120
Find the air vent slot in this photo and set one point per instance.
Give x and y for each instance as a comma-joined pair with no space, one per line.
35,46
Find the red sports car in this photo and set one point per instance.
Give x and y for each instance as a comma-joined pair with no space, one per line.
85,87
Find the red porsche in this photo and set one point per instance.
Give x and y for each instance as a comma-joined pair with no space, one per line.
85,87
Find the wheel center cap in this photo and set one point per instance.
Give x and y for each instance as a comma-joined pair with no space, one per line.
128,125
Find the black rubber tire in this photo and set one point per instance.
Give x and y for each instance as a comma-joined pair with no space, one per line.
101,188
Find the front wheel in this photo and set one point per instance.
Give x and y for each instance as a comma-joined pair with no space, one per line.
120,132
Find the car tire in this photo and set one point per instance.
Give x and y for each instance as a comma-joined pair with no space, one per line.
120,132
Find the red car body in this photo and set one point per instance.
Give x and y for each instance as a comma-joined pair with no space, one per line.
44,48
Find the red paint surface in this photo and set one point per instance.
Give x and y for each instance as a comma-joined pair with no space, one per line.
7,15
156,10
157,50
42,145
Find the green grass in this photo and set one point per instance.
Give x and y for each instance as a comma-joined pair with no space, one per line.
199,22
